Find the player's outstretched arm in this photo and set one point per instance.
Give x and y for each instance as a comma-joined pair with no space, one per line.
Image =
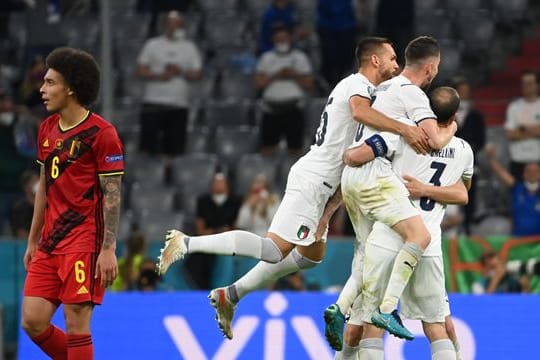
362,112
37,219
107,267
438,135
451,194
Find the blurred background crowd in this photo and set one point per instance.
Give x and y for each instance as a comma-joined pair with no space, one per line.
215,99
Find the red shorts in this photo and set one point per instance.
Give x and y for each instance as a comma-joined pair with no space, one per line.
64,278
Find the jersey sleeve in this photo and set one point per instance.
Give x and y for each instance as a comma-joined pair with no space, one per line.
416,103
362,89
109,152
468,162
302,65
195,63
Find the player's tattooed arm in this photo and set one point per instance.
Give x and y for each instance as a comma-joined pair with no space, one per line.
111,187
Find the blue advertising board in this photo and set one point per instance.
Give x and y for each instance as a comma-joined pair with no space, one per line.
275,326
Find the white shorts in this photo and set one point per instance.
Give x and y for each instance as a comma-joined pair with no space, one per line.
424,298
377,192
301,208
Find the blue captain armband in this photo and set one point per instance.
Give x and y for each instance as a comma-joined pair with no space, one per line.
377,144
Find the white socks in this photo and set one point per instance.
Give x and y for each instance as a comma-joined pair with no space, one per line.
350,352
404,265
371,349
236,242
349,292
442,350
262,274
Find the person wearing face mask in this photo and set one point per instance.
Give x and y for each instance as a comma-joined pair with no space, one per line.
525,195
167,63
471,128
215,212
283,75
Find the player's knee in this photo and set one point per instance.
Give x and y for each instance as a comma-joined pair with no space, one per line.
33,325
270,252
304,262
77,319
352,334
434,331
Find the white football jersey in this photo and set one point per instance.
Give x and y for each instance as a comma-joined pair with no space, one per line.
398,99
440,168
323,162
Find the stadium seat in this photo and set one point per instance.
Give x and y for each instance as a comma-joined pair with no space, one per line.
216,5
224,29
479,36
434,23
463,5
283,171
424,6
151,198
145,169
226,112
233,142
450,61
251,165
511,9
154,224
193,172
237,85
198,139
204,87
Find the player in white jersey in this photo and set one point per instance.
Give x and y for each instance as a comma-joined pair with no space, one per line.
440,178
373,192
290,244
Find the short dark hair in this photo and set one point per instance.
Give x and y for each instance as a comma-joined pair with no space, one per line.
444,102
80,71
420,49
367,46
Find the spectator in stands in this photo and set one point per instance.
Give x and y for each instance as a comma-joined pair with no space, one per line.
283,75
336,27
259,207
471,128
497,279
523,125
32,81
13,163
291,282
525,195
23,209
279,13
167,63
395,21
216,212
148,279
129,265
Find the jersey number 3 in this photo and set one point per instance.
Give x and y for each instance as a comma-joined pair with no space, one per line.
427,204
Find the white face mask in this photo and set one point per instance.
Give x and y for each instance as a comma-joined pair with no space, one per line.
219,198
7,118
179,34
282,47
532,186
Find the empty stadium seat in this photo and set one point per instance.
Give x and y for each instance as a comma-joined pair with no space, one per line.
237,85
251,165
145,169
193,172
312,118
233,142
224,29
226,112
150,198
436,23
154,224
198,139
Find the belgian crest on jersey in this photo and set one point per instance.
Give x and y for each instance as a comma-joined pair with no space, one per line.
303,232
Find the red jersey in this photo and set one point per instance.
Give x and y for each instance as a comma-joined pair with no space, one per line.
74,159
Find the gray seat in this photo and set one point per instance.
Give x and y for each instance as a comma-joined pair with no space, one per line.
479,36
435,23
463,5
225,113
224,29
233,142
508,10
450,61
145,198
193,172
145,169
251,165
155,224
237,85
198,139
216,5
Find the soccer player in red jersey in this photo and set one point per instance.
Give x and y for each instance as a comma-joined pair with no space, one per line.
70,257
